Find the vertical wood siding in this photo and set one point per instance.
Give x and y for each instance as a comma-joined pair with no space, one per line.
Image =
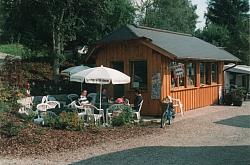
197,97
156,63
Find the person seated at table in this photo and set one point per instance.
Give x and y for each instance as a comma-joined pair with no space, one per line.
104,100
119,100
83,98
138,100
104,96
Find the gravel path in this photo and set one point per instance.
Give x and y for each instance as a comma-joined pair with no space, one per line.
211,135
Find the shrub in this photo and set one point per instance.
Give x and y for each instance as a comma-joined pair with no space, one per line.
10,129
125,117
66,120
30,117
4,107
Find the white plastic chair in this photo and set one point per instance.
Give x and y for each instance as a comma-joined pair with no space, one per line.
72,97
44,99
93,96
138,113
177,103
51,98
74,105
97,117
41,108
53,104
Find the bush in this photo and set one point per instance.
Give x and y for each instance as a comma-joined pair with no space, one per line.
66,120
8,98
10,129
13,49
4,107
125,117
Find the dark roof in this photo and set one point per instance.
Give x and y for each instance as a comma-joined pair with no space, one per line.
183,46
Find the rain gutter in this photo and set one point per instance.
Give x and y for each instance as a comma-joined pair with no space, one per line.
230,67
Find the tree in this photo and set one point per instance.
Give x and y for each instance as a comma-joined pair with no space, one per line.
212,33
116,14
232,14
52,24
175,15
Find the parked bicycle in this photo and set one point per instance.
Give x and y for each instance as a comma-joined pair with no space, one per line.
168,114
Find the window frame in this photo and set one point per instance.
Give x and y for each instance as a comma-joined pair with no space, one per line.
178,79
131,71
216,73
207,79
194,76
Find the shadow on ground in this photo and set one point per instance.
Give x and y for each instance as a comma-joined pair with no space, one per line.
242,121
205,155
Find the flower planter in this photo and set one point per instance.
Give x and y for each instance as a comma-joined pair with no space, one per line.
228,99
237,101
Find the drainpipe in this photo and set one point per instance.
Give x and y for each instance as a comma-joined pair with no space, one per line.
223,90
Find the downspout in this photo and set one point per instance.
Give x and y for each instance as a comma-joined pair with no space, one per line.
223,86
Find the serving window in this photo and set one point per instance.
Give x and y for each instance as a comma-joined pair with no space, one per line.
184,75
138,72
177,74
205,73
191,74
214,72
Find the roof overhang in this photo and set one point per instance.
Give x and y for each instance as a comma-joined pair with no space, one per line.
243,69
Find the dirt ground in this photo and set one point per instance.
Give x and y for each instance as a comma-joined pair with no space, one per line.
209,135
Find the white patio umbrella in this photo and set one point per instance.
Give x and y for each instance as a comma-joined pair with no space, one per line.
100,75
73,70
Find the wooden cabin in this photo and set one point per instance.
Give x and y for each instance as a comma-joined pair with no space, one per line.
163,63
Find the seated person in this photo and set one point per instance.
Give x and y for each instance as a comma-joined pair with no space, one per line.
138,100
104,101
104,97
119,100
83,98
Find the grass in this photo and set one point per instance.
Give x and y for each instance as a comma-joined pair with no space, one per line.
13,49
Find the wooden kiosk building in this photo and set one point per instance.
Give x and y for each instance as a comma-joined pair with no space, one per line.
163,63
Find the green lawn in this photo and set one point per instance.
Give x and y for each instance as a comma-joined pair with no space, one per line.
13,49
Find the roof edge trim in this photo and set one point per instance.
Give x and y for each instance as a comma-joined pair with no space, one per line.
162,30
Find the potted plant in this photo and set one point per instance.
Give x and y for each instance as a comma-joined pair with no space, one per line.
237,96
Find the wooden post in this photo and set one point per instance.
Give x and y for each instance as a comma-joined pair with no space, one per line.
198,75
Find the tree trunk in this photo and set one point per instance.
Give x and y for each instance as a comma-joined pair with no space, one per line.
56,52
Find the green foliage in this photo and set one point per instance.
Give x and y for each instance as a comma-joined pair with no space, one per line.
13,49
6,92
30,117
238,93
125,117
66,120
8,98
50,25
234,16
175,15
4,107
217,35
10,129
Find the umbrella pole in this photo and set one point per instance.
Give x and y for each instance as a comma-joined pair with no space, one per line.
100,105
81,86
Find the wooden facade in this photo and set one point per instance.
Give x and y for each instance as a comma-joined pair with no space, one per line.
157,62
